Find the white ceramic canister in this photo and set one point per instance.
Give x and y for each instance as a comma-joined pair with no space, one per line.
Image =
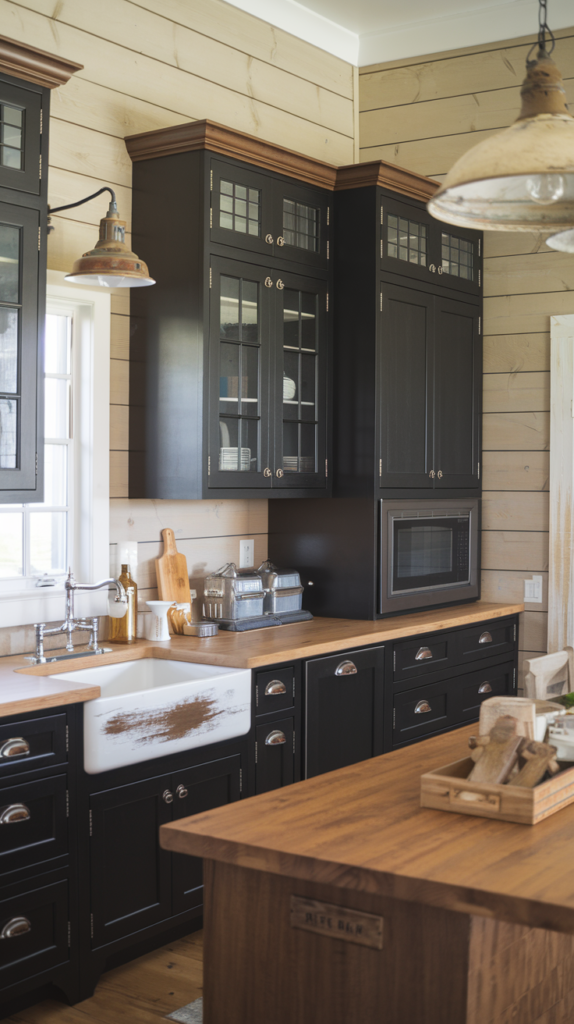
156,626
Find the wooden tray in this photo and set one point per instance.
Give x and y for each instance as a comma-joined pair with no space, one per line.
448,789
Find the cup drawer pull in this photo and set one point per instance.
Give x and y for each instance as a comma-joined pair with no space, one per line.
17,926
423,653
485,688
15,747
275,688
274,738
181,792
346,668
12,813
485,638
423,707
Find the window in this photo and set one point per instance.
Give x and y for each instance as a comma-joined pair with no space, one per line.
38,541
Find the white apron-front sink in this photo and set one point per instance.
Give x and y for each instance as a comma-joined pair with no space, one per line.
153,707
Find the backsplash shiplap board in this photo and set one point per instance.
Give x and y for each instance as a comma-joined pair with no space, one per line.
423,114
181,61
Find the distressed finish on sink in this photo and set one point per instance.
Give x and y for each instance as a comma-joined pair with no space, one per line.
153,707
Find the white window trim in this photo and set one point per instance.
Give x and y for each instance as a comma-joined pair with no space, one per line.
91,308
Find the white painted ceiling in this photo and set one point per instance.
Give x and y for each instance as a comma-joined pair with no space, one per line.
374,31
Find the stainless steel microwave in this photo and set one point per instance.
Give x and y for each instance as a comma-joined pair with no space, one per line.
429,553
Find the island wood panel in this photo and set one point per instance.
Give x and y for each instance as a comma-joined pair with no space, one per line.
516,392
464,71
362,829
516,353
517,471
436,965
515,510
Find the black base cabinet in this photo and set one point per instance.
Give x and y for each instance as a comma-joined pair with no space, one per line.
84,884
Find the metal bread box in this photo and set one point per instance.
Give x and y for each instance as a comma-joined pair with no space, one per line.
229,594
283,590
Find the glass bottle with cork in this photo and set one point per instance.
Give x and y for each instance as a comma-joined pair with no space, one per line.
123,630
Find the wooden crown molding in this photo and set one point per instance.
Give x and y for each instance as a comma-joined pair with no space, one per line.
184,138
379,172
33,65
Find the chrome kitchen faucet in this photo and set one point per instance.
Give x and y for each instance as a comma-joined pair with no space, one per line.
71,623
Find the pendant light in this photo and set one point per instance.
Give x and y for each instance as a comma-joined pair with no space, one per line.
110,263
521,179
564,241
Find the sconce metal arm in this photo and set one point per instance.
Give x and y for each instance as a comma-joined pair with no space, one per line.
69,206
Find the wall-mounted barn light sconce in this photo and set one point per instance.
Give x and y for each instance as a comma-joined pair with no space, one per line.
110,263
521,179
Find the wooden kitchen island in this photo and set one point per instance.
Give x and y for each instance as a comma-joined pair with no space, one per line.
339,900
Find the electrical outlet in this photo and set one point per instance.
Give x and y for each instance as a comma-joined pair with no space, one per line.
246,553
533,590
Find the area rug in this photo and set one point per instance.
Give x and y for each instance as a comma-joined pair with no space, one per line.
190,1014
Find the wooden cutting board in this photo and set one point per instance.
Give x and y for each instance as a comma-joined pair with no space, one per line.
171,570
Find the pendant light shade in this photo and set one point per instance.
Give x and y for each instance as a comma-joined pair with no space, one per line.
110,263
564,241
521,179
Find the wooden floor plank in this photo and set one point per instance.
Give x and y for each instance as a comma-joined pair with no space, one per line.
141,992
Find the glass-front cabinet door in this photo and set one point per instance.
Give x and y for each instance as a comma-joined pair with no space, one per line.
300,374
18,351
239,374
20,137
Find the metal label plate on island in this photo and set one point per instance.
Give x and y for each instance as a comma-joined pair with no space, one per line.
337,922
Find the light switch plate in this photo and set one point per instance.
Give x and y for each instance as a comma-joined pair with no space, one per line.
246,548
533,590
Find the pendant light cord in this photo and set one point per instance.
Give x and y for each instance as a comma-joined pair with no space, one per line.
543,28
56,209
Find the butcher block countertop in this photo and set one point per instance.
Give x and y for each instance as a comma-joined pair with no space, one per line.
24,687
362,828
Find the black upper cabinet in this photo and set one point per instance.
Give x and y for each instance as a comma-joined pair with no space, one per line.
407,351
230,349
429,380
24,112
268,216
414,244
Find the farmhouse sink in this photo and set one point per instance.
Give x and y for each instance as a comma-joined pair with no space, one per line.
153,707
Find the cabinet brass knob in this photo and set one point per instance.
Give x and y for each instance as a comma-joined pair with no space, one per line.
17,926
485,638
167,796
269,239
267,471
439,474
279,473
268,282
15,747
439,270
432,268
13,813
432,474
423,653
181,792
485,688
275,738
280,240
346,668
280,284
423,707
274,688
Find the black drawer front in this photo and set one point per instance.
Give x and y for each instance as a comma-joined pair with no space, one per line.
469,691
274,691
425,654
31,744
38,921
275,755
486,640
33,823
419,712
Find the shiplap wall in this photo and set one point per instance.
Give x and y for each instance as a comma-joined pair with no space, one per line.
149,66
423,114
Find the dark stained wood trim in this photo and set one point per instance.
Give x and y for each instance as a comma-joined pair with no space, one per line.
184,138
379,172
33,65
